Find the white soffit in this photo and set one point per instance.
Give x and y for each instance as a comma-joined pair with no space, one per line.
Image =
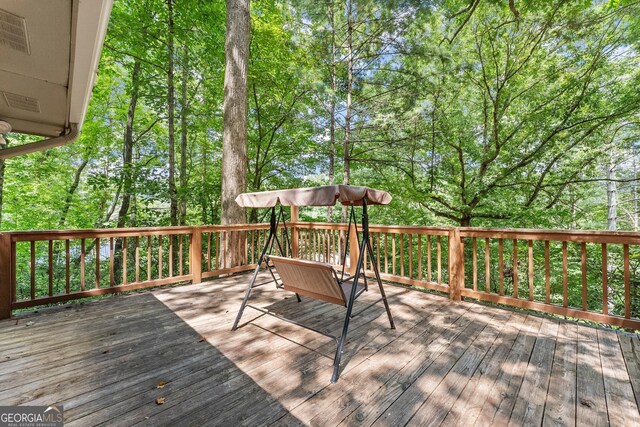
49,54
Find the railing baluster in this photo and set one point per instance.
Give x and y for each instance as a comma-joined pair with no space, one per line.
515,268
583,253
226,250
627,283
148,257
245,242
439,258
531,274
50,272
605,280
181,253
239,248
124,261
98,263
487,266
419,256
474,255
386,254
160,257
216,250
334,254
170,255
565,276
82,265
547,273
501,266
401,254
429,258
33,270
112,279
137,254
393,254
410,245
325,250
316,245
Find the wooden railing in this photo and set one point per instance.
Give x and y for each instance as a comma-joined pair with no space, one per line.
581,274
408,255
586,275
45,267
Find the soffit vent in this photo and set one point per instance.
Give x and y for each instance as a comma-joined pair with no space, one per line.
22,102
13,32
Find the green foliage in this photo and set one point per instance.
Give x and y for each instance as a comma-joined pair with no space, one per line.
468,115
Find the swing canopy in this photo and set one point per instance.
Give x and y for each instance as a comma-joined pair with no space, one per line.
315,196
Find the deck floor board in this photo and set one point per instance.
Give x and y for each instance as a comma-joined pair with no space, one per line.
445,364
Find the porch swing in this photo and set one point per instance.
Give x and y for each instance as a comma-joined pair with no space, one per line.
314,279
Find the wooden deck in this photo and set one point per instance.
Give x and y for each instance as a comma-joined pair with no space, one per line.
446,363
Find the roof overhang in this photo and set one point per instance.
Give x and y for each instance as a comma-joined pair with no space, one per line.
50,52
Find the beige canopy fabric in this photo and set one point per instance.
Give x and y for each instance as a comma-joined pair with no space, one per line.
315,196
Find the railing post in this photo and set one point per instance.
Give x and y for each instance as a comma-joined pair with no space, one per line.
354,250
295,218
456,264
196,255
5,275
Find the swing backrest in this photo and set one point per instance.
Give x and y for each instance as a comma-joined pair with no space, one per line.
313,279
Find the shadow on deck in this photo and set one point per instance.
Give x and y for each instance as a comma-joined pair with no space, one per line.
445,364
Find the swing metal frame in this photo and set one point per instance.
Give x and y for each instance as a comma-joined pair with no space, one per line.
364,246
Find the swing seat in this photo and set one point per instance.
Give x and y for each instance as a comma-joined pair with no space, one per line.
317,280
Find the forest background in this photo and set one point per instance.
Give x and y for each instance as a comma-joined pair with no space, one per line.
496,113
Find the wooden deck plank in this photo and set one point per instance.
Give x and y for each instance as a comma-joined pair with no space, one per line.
445,364
617,386
281,329
467,407
529,405
560,408
93,397
591,405
249,345
497,408
309,371
434,410
436,330
444,357
630,345
378,328
405,330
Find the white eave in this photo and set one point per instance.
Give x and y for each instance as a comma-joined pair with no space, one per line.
49,54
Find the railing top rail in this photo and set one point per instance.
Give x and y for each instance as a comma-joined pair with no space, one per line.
613,237
618,237
23,236
414,229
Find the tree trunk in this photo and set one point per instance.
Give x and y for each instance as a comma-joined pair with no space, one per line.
204,199
127,148
332,109
234,137
634,188
171,105
612,198
72,190
182,206
127,168
2,169
347,116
